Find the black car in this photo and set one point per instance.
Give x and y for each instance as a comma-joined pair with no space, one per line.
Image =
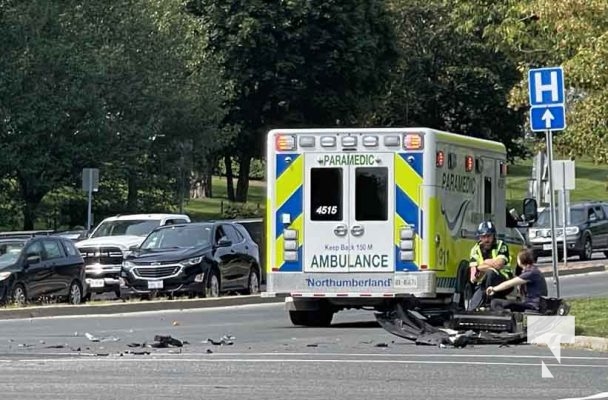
587,232
202,259
40,267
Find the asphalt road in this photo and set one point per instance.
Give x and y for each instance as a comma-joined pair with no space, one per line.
593,284
52,358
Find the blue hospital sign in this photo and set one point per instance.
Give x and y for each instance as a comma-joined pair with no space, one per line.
547,99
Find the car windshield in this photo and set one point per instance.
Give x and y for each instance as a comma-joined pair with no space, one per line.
577,216
9,253
134,227
178,237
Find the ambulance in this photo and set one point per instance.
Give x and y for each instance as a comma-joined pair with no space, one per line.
368,218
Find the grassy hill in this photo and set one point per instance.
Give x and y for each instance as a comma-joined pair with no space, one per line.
591,184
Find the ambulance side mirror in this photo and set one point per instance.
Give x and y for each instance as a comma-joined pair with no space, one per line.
530,208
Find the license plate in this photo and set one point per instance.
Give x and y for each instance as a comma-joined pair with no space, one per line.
155,284
96,283
548,247
406,282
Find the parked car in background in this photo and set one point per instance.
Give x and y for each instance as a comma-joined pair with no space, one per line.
39,267
587,232
205,259
111,240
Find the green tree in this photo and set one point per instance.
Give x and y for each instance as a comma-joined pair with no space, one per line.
49,102
573,34
295,63
449,76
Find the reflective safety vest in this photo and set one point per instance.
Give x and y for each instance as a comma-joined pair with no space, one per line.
504,271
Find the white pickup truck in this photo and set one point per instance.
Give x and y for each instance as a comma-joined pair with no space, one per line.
105,248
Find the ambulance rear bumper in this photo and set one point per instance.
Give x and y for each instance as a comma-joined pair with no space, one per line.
419,284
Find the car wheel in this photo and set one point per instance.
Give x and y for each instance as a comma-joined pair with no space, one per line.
606,254
75,295
587,249
253,286
213,285
19,295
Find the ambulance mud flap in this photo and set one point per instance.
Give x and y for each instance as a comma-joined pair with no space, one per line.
412,325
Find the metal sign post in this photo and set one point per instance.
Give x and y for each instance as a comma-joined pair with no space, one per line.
548,113
552,208
90,183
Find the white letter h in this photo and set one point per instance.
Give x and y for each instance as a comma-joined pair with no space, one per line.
540,88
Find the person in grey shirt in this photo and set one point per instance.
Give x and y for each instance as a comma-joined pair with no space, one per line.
534,281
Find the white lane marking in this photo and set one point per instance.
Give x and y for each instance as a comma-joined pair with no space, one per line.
603,395
143,313
295,361
296,354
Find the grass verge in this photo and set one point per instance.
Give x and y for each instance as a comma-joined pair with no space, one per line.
591,317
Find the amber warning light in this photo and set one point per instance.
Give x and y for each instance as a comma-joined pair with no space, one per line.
413,141
285,142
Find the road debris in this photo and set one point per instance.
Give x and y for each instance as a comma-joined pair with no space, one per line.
411,325
224,340
93,338
166,341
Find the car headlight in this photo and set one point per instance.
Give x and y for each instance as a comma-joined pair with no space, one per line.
4,275
572,230
534,233
127,264
193,261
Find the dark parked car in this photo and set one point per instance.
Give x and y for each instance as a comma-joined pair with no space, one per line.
205,259
586,234
40,267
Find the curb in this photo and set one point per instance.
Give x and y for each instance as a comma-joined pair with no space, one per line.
577,271
588,342
119,308
162,305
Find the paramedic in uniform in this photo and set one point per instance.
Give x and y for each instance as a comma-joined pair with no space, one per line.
489,265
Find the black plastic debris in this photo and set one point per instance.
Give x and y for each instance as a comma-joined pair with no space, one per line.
411,325
56,346
166,341
227,340
382,344
312,345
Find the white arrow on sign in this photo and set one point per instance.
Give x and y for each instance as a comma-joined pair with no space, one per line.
547,117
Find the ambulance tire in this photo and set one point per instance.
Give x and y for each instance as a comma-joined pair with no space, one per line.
463,287
319,318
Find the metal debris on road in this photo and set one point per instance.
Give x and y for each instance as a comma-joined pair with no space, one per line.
224,340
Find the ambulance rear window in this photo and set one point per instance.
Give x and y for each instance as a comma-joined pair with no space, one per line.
326,194
371,194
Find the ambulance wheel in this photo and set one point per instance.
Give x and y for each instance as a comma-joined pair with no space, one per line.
462,283
319,318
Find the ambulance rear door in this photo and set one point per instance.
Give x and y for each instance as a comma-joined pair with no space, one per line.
349,198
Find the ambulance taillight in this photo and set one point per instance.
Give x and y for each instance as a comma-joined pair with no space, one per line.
439,159
285,142
290,245
503,169
468,163
406,243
